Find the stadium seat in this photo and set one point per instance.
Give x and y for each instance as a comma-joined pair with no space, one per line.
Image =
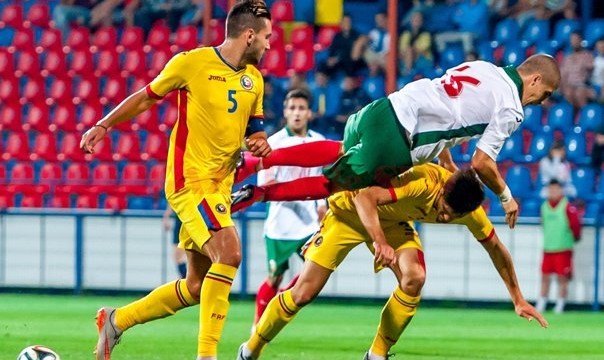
16,147
70,148
301,37
583,179
137,84
185,39
519,180
576,149
63,118
21,178
274,63
277,39
514,54
27,65
374,86
594,31
532,118
169,118
44,147
216,32
51,174
131,40
102,151
80,63
7,63
158,38
530,208
77,179
3,178
104,38
140,203
592,211
539,147
36,118
590,117
535,31
157,175
159,58
506,31
32,91
87,201
134,63
23,40
6,201
59,201
114,91
38,15
128,147
59,92
86,91
302,61
156,147
12,15
485,51
50,40
78,39
563,29
282,10
325,37
115,202
469,151
451,56
546,47
560,117
10,118
148,120
89,115
107,64
104,179
6,37
53,63
512,148
31,201
133,180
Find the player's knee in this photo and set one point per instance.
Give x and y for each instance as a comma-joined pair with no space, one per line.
413,283
304,297
232,259
194,286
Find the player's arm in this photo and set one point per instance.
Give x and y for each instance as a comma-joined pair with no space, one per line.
126,110
366,203
446,160
503,263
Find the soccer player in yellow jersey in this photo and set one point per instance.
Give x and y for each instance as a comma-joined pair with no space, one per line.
380,218
220,104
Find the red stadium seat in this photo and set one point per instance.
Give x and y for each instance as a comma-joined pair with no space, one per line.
7,63
302,60
22,180
78,39
89,115
102,151
32,201
132,39
275,63
54,63
137,84
87,201
36,118
59,92
77,179
12,15
70,148
6,201
185,39
159,58
63,118
17,147
59,201
156,147
51,174
80,63
128,147
3,179
108,63
148,120
10,118
325,37
115,203
27,64
38,15
49,40
9,90
33,91
134,63
104,179
113,92
216,32
23,40
169,118
86,91
302,37
277,39
157,176
133,180
45,147
158,38
105,38
282,10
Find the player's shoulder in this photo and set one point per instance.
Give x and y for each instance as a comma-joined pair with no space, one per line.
316,135
197,55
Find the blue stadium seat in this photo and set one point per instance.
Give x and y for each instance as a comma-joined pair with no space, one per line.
374,87
512,148
451,56
560,117
590,117
506,31
140,202
514,54
563,29
519,180
540,145
594,31
6,36
531,208
496,209
583,179
532,118
546,47
485,51
470,149
576,148
592,211
535,31
456,153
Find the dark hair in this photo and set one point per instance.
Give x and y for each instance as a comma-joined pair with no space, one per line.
244,15
554,182
463,191
298,94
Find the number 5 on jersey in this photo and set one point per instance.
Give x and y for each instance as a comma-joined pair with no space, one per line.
233,101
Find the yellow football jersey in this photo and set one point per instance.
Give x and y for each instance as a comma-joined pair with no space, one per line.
415,192
215,102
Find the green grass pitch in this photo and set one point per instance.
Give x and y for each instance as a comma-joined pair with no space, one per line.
321,331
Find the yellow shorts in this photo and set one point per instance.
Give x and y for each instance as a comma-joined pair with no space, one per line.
202,207
341,233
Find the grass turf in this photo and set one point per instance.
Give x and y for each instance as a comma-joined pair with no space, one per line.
321,331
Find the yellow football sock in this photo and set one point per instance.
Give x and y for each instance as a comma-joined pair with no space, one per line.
396,315
279,312
161,302
214,307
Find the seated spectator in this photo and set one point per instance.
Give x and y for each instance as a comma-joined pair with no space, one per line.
555,167
353,98
194,14
144,13
575,71
597,75
90,13
341,50
471,21
325,95
296,82
272,103
415,46
597,151
377,42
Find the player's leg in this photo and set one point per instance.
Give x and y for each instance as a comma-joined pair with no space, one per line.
546,271
564,277
311,154
180,257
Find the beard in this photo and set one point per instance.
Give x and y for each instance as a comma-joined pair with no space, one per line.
252,56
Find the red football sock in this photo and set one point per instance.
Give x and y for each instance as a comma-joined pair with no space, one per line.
291,284
250,162
311,154
265,294
310,188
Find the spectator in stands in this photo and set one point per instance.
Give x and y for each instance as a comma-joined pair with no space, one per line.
555,167
415,46
341,57
597,75
597,151
144,13
273,101
377,43
575,69
561,229
173,223
90,13
353,99
194,14
298,81
325,101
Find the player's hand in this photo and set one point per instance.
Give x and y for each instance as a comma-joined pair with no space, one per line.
92,137
384,254
259,147
511,212
527,311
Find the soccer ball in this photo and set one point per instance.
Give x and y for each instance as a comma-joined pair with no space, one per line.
38,352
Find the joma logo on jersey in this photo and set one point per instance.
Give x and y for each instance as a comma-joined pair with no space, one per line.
217,78
246,82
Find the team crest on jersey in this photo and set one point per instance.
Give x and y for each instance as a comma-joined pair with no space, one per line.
221,208
319,241
246,82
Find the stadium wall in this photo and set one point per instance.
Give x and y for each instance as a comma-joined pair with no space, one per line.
100,250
